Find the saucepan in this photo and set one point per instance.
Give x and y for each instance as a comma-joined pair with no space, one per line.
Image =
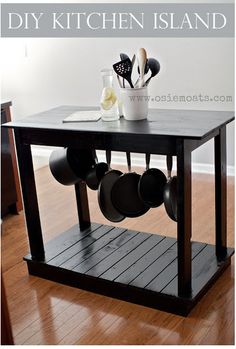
69,165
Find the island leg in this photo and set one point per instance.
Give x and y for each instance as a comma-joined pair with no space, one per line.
220,194
184,217
30,200
82,205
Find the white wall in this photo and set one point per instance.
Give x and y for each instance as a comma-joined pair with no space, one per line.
38,74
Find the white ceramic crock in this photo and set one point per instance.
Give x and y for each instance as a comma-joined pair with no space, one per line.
135,103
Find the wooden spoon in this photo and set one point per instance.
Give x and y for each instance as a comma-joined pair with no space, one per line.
142,59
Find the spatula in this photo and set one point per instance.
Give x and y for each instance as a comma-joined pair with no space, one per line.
124,69
124,56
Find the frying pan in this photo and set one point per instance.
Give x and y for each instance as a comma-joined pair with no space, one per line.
104,193
151,185
95,174
124,194
69,165
170,192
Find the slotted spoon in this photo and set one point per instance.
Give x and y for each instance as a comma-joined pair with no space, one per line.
124,69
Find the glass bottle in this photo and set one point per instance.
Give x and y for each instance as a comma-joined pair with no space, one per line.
109,103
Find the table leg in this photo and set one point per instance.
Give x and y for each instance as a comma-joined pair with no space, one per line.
82,204
184,217
220,194
30,198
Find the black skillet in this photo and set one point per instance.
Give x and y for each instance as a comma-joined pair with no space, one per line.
125,196
151,185
104,193
170,192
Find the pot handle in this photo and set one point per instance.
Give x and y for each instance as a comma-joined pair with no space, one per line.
128,160
108,158
95,155
147,158
169,163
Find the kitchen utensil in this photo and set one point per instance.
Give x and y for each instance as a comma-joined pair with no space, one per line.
142,59
124,194
69,165
155,67
119,82
104,193
124,56
124,69
170,192
146,69
133,60
96,173
151,185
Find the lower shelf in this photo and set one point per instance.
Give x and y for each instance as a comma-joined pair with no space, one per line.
128,265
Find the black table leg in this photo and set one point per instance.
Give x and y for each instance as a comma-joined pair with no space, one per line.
31,208
220,194
184,215
82,204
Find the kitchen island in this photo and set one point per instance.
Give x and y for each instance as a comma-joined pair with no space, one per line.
149,269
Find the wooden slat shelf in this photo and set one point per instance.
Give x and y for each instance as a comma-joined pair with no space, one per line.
129,265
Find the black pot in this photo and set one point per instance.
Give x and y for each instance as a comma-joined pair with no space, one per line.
69,165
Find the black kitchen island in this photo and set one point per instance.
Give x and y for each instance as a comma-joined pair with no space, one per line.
149,269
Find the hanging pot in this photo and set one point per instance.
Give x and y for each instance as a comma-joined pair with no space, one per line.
69,165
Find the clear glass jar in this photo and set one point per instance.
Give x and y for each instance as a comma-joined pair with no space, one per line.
109,103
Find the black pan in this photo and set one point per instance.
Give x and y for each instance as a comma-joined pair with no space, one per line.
69,165
104,193
124,194
170,192
96,173
151,185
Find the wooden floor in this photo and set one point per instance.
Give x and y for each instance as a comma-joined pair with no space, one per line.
44,312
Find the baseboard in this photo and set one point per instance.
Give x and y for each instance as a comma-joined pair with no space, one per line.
41,156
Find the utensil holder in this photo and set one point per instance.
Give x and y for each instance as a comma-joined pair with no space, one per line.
135,103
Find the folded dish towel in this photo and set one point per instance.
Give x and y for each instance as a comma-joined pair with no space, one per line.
83,115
